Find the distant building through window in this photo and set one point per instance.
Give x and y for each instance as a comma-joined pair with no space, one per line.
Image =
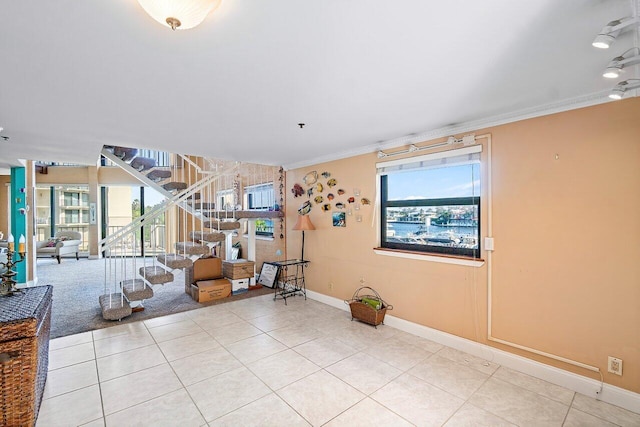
261,197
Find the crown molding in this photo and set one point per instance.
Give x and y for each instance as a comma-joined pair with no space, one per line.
566,105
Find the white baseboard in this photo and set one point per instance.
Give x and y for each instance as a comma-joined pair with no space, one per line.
611,394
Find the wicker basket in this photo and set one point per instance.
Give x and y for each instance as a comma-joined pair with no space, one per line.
365,312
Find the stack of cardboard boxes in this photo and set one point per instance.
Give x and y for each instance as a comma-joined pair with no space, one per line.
211,279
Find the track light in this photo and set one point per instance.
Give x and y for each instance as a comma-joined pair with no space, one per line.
608,35
617,64
621,88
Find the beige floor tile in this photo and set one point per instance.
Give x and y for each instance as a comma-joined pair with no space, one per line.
517,405
204,365
215,319
251,311
397,353
133,328
325,351
423,343
95,423
577,418
452,377
227,392
367,413
175,330
234,332
282,368
70,378
417,401
606,411
71,409
70,340
172,409
546,389
188,345
119,343
471,361
364,372
320,397
166,320
124,392
269,411
68,356
354,337
292,336
255,348
472,416
274,321
128,362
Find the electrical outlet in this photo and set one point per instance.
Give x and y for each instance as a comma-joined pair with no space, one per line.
362,280
615,365
330,286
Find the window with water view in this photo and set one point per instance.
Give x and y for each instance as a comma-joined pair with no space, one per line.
432,209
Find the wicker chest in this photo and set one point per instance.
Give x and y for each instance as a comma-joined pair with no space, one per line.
25,321
238,269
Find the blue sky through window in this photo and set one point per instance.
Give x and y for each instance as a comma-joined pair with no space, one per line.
450,181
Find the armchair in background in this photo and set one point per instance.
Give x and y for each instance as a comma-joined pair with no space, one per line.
64,243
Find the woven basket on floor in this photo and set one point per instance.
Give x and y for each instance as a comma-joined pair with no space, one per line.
365,312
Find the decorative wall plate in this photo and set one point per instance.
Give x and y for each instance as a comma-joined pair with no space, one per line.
305,208
310,178
330,196
332,182
340,192
318,199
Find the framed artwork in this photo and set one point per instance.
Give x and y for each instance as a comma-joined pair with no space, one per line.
339,219
268,275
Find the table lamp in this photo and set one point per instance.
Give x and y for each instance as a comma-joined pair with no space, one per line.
303,223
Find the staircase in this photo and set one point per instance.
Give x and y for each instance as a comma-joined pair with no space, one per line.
189,185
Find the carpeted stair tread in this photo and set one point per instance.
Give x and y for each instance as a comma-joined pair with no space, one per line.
114,307
174,261
191,248
156,275
159,174
206,236
222,225
142,163
136,290
125,153
175,186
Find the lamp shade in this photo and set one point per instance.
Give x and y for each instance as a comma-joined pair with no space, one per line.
182,14
304,223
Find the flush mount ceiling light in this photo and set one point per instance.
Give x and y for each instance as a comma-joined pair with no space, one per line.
610,31
617,64
621,88
179,14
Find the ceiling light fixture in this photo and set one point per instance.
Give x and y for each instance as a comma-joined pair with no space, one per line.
621,88
617,64
608,35
182,14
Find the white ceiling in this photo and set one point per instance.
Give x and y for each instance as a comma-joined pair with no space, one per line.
362,74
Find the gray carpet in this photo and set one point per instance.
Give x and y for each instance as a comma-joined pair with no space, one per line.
78,284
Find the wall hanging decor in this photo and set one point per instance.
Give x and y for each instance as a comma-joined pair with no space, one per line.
339,219
326,174
305,208
332,182
297,190
310,178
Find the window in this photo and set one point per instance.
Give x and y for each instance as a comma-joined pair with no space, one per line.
71,216
260,197
225,199
431,203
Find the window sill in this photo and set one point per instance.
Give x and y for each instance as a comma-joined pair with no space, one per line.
446,259
258,237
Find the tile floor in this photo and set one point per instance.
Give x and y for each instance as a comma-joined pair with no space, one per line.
256,362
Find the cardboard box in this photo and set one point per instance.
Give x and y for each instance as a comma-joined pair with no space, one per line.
239,286
209,290
206,269
238,269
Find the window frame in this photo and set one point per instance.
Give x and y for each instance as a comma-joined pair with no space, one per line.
426,250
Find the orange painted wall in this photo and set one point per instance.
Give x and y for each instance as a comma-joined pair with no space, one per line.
566,265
